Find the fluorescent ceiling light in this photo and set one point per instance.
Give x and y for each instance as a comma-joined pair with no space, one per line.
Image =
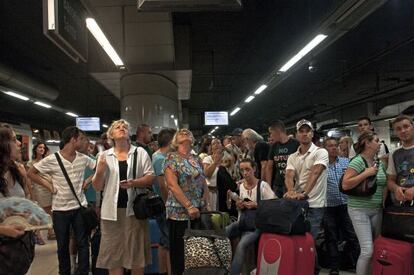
176,122
105,125
103,41
235,111
260,89
42,104
51,14
71,114
215,128
250,98
315,42
17,96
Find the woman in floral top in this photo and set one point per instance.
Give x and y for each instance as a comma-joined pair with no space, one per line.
188,194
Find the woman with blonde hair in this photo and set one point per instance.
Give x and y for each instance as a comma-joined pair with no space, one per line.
345,144
188,193
125,241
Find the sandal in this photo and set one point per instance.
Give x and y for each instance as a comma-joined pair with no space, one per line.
40,241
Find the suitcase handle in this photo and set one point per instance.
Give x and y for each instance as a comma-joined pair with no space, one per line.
207,213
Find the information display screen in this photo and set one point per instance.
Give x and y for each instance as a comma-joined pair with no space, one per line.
88,123
216,118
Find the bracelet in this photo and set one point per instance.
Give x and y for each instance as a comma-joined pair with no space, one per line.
190,207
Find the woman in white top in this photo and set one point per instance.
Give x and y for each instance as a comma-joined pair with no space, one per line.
40,193
247,201
211,165
125,241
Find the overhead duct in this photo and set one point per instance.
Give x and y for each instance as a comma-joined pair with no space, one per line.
188,5
26,84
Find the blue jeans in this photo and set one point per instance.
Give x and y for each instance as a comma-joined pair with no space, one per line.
162,224
63,221
367,223
247,239
315,216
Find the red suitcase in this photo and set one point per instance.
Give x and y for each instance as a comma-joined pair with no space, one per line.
286,255
392,257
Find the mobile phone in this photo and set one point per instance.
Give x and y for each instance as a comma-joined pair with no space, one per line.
246,200
123,182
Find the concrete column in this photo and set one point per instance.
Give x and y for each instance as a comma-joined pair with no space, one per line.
149,98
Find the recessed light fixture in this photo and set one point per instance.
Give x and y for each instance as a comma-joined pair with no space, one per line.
235,111
260,89
250,98
43,104
16,95
103,41
71,114
312,44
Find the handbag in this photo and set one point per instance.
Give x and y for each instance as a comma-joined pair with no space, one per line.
366,188
89,216
398,221
147,204
247,221
283,216
16,254
207,251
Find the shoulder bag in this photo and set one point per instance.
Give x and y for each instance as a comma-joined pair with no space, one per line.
366,188
147,204
89,216
247,221
283,216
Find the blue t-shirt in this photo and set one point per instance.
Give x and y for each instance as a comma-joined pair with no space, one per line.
158,159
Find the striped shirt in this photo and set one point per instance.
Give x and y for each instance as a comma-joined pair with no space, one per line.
335,171
64,199
374,201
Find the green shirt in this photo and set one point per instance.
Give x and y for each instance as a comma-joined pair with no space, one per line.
374,201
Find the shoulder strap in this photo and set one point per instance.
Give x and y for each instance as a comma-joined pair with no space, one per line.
365,162
59,160
134,168
258,192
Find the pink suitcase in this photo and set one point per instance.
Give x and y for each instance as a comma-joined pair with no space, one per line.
286,255
392,257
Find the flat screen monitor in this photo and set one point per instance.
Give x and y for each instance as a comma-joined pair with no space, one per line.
216,118
88,123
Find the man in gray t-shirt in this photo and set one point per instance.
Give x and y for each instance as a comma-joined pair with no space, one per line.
400,172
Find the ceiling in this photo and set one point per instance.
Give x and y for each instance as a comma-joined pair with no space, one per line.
230,53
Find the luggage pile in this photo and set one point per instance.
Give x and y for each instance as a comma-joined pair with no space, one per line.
285,241
394,250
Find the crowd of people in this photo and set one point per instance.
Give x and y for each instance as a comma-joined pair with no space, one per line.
231,175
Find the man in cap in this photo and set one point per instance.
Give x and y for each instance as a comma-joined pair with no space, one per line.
306,176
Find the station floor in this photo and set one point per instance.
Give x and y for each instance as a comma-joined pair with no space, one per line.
45,262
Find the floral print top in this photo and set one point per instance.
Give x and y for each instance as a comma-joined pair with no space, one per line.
191,179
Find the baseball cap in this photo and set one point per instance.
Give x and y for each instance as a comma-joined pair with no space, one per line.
237,132
303,122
